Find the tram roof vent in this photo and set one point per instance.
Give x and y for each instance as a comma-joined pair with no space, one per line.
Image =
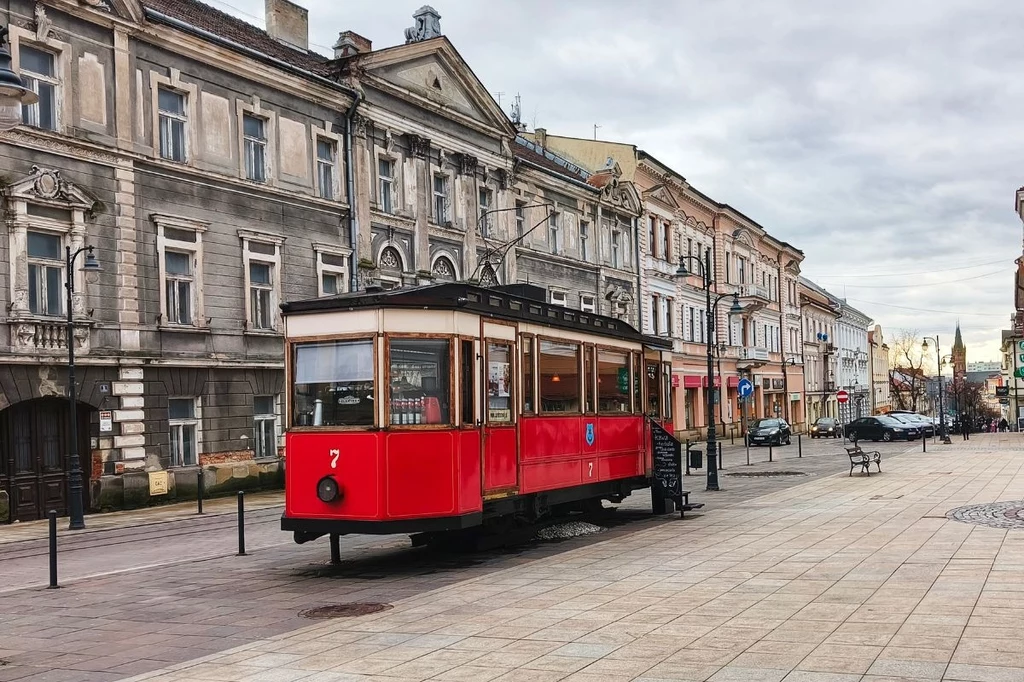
530,291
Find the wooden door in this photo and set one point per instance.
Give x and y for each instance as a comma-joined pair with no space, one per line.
500,465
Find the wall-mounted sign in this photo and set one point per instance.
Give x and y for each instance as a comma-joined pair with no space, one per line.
106,421
1002,391
158,483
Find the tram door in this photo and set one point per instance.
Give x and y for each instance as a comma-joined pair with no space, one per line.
500,444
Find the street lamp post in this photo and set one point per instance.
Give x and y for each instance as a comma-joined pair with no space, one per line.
706,275
785,386
75,483
13,93
938,356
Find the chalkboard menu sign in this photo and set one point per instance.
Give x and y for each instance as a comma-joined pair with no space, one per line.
667,463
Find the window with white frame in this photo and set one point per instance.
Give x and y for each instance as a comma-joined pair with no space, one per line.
486,198
666,241
386,185
183,423
554,234
39,74
262,262
326,160
558,298
254,137
520,218
179,245
264,415
45,274
670,306
588,303
442,199
655,313
332,271
173,117
584,241
616,249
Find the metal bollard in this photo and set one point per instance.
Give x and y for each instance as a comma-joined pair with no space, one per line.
200,485
241,523
748,449
686,454
770,451
53,550
799,446
335,549
721,462
924,443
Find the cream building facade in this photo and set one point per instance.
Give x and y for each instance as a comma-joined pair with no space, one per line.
878,357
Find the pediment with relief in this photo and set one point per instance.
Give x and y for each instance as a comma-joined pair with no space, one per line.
126,9
432,72
45,185
662,195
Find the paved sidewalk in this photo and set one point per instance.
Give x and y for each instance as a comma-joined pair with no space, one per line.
840,579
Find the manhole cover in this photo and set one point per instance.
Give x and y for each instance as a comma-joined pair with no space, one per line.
993,514
766,474
343,610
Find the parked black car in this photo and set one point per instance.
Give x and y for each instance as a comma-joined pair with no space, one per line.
826,427
924,424
880,428
769,432
908,423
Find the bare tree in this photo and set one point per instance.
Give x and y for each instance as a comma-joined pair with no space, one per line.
908,384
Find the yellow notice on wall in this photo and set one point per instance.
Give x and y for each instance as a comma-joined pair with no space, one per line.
158,483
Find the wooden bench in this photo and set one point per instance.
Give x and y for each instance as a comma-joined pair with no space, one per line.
862,458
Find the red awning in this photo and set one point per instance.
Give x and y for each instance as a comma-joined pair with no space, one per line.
734,382
692,382
718,381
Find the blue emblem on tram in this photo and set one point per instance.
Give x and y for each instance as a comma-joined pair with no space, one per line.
590,433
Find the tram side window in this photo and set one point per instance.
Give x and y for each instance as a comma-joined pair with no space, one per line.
419,381
499,382
527,345
653,407
666,374
612,382
559,369
333,384
638,389
588,379
468,379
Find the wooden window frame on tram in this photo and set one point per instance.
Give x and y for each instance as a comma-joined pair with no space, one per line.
631,353
289,373
386,398
524,339
579,372
513,346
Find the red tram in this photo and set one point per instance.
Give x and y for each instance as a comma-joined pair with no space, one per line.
438,407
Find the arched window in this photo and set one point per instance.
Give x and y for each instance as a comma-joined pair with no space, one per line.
444,269
488,278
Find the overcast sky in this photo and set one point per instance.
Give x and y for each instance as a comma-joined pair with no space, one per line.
881,138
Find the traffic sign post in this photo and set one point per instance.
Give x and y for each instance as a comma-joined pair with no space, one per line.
843,397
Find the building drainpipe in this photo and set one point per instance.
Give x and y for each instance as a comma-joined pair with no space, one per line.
350,182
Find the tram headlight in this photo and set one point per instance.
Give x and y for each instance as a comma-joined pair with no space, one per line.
327,489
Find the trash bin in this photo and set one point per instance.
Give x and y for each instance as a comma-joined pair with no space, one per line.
696,459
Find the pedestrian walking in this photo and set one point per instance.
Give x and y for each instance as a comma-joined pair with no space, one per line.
1002,425
965,429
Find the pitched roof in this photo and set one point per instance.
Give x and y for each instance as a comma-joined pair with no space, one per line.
538,156
207,18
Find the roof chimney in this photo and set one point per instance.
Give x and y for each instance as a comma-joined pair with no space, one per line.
350,43
540,135
288,23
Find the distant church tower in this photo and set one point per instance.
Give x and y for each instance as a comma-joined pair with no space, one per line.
959,355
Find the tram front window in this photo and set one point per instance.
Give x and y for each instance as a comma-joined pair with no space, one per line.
420,382
333,384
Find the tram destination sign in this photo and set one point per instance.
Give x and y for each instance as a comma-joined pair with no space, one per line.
667,464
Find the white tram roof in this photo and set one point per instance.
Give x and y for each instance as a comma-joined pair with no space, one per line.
516,302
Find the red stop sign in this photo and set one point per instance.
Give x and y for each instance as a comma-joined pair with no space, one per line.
842,396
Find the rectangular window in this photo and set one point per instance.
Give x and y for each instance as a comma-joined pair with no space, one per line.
45,274
616,249
691,332
520,219
333,384
526,343
386,185
264,411
666,235
670,321
499,382
558,298
554,242
559,370
261,290
588,379
255,138
652,235
178,279
39,74
485,198
655,314
584,241
588,303
442,200
419,381
689,248
184,427
741,265
172,124
333,271
467,382
612,382
326,156
728,267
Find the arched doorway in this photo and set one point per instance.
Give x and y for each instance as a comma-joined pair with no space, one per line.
34,456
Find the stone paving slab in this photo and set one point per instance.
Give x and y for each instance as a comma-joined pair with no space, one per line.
833,580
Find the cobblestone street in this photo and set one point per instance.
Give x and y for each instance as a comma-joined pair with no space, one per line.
804,577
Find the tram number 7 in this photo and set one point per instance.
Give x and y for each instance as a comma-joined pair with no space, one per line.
590,471
334,455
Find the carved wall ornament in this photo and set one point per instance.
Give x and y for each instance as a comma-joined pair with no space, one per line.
44,27
443,269
389,259
488,278
504,178
389,141
419,146
466,164
361,124
427,25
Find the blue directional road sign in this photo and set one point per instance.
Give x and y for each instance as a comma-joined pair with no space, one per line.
745,388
